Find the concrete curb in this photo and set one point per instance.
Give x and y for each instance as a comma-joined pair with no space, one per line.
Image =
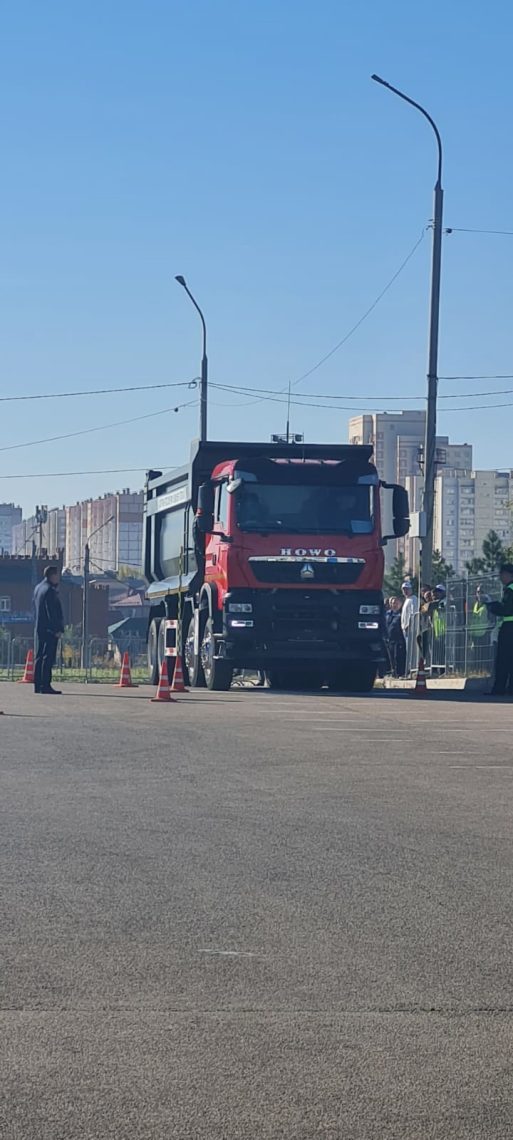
458,684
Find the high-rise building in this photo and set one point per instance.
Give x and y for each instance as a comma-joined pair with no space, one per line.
468,505
10,516
398,442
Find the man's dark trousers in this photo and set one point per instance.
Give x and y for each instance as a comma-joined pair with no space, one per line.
46,652
503,682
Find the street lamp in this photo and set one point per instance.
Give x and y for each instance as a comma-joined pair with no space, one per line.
204,362
85,596
434,316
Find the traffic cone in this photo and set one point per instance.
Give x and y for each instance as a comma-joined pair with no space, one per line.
163,691
420,689
28,676
178,685
125,678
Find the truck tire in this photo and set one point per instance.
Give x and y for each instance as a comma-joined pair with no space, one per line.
153,657
218,673
357,678
193,668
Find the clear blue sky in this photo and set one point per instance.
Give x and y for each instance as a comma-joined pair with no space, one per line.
244,146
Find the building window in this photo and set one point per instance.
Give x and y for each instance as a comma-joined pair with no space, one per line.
5,605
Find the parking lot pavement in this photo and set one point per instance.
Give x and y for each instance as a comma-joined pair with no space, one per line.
255,914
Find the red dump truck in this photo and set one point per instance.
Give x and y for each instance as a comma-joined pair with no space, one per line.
271,558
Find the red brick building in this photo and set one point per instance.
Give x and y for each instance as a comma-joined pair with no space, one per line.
18,577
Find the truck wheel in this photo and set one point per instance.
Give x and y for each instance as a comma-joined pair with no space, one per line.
358,678
218,673
192,662
153,656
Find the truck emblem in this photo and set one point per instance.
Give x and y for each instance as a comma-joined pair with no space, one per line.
307,571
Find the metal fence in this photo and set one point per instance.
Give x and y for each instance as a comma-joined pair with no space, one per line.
103,658
459,638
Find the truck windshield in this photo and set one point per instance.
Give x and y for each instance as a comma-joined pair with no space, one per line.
301,509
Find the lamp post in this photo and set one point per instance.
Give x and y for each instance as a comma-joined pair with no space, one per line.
434,317
204,362
85,596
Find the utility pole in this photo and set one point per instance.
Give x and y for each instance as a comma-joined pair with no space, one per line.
84,649
204,362
41,518
434,318
85,609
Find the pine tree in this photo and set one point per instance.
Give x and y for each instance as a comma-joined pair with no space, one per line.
475,567
441,569
395,577
493,552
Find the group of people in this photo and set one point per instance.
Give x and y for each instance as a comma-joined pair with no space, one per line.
411,623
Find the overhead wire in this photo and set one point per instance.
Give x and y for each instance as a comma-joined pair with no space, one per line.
468,230
100,391
357,399
95,471
101,427
366,314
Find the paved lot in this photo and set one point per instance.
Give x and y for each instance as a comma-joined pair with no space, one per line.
253,915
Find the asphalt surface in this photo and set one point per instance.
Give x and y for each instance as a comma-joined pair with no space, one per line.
255,915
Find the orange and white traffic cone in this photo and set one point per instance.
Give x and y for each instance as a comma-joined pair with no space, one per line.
163,691
28,676
178,685
420,689
125,678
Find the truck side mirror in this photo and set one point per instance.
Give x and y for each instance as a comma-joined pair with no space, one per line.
401,511
205,510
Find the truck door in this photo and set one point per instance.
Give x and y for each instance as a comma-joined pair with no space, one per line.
216,550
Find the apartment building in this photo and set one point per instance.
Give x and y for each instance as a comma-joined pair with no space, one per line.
113,525
398,442
468,505
10,516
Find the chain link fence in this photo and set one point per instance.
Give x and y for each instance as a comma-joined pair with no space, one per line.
103,658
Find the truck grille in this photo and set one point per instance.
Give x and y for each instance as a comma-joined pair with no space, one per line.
319,573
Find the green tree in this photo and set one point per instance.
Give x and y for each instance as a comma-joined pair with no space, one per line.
441,569
493,552
475,567
395,577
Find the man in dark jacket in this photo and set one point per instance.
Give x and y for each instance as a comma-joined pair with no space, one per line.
395,638
503,683
49,624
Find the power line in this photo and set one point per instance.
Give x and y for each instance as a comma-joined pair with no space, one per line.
496,376
100,391
102,471
336,347
102,427
465,230
356,399
365,314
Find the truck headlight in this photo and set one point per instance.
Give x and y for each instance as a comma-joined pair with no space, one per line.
240,608
370,609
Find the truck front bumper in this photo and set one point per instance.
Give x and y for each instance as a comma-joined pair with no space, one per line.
313,625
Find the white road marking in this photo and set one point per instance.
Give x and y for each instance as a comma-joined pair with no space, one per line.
232,953
485,767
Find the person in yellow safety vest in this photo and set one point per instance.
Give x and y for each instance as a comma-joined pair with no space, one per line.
481,624
503,683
